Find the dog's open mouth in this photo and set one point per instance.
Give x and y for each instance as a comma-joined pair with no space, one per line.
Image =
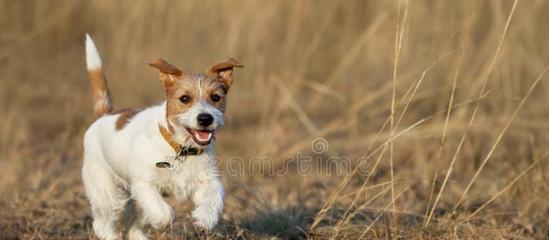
201,137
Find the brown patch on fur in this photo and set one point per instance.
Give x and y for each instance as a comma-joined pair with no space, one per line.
224,71
217,88
166,67
102,102
125,116
174,106
169,73
171,76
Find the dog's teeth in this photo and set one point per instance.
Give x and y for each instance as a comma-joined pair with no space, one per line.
203,136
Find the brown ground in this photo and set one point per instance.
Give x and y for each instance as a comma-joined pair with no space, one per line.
328,69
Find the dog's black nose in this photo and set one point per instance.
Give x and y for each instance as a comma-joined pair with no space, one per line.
204,119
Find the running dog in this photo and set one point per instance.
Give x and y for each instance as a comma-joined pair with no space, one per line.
132,157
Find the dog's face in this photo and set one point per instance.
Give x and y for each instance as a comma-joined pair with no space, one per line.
195,102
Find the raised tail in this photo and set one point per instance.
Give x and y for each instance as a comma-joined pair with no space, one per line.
102,102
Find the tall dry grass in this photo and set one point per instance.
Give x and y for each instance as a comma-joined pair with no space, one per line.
444,103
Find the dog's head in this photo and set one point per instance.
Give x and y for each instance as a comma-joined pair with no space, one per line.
195,102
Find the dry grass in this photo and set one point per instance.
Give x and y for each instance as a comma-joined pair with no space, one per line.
441,106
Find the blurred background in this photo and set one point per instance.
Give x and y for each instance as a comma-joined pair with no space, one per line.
372,79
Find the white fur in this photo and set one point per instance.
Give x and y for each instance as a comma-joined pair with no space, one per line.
199,85
119,165
93,61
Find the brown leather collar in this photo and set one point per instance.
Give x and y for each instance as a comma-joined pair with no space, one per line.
169,139
180,150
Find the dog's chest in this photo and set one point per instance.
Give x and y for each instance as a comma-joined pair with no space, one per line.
171,184
183,180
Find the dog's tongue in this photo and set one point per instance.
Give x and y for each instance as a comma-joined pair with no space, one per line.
202,135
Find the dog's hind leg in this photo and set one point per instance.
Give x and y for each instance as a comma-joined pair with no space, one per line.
106,195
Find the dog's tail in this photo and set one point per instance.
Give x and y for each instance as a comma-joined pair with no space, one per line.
102,102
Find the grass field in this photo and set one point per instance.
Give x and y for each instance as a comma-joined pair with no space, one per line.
441,107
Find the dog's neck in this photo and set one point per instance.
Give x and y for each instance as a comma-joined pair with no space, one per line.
179,142
179,149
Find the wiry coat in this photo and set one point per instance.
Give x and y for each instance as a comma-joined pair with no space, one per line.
121,151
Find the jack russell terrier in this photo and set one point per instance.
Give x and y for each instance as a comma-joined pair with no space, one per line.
132,157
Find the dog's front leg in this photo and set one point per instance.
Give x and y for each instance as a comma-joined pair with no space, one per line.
156,211
208,200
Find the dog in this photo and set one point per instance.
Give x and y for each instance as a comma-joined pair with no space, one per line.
132,157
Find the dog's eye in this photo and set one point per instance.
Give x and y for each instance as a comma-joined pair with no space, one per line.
185,99
215,97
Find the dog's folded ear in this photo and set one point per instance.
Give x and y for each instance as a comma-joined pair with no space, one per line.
224,71
166,67
168,72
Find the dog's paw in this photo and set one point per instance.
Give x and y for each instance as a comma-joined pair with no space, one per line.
205,218
161,216
137,234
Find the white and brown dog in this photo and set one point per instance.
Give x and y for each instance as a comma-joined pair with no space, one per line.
125,152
